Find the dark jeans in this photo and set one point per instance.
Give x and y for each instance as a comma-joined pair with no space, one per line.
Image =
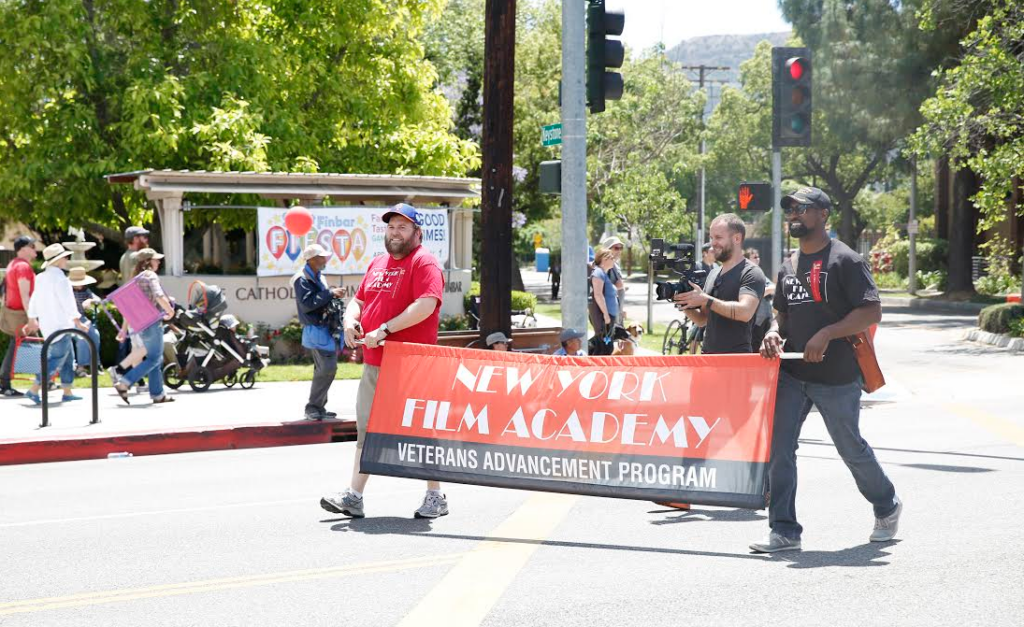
325,366
8,364
840,409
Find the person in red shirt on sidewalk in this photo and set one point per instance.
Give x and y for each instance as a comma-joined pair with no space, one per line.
399,299
20,282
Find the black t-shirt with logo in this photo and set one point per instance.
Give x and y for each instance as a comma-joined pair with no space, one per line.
835,275
722,335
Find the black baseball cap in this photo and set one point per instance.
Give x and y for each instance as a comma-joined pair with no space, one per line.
22,241
807,196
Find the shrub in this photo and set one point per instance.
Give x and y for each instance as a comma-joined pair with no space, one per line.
1017,327
454,323
998,318
890,281
997,283
931,255
474,290
934,280
523,300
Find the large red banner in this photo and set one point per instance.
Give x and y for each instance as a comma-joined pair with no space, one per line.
681,428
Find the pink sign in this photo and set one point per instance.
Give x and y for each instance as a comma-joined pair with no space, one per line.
135,307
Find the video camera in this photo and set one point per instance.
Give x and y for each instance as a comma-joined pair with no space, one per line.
683,262
334,316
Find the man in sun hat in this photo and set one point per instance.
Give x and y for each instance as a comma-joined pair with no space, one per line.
312,296
398,299
497,341
53,309
87,301
19,282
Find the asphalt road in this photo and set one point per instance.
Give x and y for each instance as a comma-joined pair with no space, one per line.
238,538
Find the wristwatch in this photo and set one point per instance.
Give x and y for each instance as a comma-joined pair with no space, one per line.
385,329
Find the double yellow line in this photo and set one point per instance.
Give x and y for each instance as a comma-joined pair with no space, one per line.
227,583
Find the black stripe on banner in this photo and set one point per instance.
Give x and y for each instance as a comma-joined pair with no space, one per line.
645,477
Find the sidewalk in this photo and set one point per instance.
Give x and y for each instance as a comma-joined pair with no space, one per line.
270,414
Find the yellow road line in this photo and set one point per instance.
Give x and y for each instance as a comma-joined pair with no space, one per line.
468,592
1006,429
227,583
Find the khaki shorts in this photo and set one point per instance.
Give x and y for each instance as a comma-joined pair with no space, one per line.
364,400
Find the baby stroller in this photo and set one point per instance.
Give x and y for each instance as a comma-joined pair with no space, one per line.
206,347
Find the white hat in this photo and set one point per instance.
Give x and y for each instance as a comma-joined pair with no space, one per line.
53,252
612,241
314,250
79,277
497,337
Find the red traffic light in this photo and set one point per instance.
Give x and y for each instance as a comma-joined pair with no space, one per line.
797,67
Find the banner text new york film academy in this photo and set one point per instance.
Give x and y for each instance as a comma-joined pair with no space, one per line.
695,428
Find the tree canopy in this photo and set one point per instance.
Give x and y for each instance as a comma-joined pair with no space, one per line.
91,87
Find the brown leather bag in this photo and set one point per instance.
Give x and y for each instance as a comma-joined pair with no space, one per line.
863,346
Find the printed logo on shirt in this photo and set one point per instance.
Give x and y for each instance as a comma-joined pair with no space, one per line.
795,292
385,280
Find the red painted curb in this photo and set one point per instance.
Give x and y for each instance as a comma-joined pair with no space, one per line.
202,439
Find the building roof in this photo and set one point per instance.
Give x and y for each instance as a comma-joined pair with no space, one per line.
349,188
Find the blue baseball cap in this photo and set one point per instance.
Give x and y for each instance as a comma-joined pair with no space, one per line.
407,211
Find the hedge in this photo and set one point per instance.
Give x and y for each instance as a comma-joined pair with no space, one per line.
520,300
997,318
931,255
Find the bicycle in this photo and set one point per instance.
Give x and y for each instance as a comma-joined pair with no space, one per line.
682,337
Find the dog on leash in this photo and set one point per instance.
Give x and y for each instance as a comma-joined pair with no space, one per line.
629,344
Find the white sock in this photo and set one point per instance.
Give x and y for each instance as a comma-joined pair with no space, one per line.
353,492
434,492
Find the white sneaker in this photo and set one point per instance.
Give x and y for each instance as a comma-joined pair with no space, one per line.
885,528
775,543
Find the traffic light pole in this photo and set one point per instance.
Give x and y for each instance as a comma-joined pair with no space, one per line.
574,167
776,212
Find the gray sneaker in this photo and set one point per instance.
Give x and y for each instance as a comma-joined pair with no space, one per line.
434,506
885,528
344,503
775,543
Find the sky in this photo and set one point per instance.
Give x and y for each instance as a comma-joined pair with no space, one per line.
671,21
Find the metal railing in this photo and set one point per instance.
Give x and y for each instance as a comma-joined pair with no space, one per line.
45,373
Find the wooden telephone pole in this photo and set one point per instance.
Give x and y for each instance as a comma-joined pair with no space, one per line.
496,144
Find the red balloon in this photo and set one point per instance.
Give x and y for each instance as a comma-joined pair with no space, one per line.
298,220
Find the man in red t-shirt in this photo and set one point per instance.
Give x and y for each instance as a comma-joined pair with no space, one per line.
398,299
19,281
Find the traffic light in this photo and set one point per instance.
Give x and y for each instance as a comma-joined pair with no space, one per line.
603,53
791,97
754,197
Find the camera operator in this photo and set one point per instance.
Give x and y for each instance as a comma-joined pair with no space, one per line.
314,297
729,299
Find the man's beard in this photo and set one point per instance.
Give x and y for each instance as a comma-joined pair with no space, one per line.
725,255
399,247
798,229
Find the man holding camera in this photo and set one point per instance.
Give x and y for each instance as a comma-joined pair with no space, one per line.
824,294
399,299
314,297
728,301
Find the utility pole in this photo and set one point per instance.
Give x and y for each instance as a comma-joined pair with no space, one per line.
496,146
702,71
574,167
912,230
776,211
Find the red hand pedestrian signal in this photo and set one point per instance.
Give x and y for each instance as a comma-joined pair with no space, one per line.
745,197
754,197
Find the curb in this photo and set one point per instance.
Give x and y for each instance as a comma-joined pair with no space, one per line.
160,443
922,304
1013,344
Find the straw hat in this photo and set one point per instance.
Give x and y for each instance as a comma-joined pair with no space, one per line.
108,280
79,277
54,252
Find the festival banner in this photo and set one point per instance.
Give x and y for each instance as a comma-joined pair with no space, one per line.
352,236
677,428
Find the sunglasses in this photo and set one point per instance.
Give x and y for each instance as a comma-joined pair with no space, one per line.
798,210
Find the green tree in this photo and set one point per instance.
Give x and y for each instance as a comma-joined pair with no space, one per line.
90,87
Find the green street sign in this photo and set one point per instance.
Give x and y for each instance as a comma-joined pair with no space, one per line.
551,135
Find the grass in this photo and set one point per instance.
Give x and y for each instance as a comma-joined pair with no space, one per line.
651,340
270,374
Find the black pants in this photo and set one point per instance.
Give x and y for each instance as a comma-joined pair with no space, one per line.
325,366
8,365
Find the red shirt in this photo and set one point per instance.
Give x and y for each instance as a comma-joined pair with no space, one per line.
16,270
388,289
